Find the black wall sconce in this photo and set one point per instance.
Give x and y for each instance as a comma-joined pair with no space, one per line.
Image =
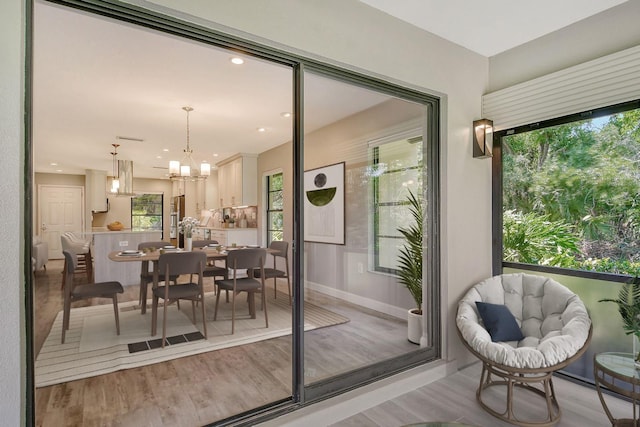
482,137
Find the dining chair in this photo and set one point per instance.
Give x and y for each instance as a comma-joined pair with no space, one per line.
176,264
211,269
81,249
244,259
85,291
146,275
280,249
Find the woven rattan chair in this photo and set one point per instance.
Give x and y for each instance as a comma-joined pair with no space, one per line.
554,328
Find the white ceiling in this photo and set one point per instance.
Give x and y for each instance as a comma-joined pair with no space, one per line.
489,27
96,79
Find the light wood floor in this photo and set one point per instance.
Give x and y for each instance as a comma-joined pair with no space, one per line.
453,399
197,390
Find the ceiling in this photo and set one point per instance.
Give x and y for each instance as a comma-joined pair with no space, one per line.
489,27
96,80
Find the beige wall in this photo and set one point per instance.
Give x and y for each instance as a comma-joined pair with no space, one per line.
611,31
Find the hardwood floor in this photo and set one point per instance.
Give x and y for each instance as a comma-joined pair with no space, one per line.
201,389
453,399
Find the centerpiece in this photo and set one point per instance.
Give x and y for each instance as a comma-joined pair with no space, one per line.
186,227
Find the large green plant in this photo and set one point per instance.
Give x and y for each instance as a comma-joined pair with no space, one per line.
629,308
410,256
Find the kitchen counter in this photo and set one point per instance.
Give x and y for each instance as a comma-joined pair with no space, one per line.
107,241
105,230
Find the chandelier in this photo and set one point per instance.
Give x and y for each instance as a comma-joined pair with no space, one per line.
187,169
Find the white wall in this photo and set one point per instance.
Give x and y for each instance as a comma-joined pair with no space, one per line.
12,218
610,31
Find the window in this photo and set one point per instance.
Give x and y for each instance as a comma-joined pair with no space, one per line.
396,169
275,219
571,193
146,212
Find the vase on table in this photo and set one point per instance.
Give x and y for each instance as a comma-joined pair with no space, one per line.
188,244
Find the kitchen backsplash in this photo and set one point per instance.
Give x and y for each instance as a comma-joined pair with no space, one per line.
246,217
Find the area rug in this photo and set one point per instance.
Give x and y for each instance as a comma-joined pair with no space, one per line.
92,346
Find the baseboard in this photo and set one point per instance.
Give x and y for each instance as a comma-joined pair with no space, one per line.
399,312
351,403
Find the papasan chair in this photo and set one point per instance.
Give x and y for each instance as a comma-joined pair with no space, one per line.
523,328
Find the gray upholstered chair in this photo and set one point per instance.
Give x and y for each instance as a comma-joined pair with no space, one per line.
244,259
146,275
176,264
91,290
211,270
281,250
523,328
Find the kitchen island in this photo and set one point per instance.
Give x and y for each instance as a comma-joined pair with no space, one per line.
107,241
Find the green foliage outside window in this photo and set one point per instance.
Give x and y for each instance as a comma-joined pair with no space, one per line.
571,195
146,212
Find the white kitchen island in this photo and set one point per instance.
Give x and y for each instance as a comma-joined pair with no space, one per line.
107,241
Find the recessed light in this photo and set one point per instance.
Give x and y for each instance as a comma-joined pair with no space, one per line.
58,170
237,61
285,114
215,154
261,130
53,164
158,157
166,150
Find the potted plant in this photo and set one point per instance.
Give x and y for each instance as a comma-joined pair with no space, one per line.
410,266
629,308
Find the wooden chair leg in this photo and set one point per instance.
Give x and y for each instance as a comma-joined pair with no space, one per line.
204,317
115,311
164,321
154,316
215,313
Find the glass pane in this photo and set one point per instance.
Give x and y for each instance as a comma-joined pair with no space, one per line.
367,309
388,252
275,200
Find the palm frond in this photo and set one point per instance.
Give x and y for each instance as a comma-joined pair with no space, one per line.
410,254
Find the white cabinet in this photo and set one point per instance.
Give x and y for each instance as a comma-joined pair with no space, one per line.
96,190
238,181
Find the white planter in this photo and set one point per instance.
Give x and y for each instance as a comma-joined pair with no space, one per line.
414,326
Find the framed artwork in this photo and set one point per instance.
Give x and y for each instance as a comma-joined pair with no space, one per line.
324,204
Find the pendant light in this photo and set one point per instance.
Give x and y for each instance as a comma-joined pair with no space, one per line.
187,169
122,178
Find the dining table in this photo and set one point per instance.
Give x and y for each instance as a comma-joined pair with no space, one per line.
153,255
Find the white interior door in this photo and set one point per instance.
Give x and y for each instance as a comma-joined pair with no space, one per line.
60,209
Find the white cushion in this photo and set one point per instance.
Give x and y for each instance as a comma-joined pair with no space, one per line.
553,320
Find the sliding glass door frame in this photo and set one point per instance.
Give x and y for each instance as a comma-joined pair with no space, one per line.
301,394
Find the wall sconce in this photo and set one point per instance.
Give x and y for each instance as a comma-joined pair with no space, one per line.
482,137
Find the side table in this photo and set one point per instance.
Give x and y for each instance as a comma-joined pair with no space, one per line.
618,373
